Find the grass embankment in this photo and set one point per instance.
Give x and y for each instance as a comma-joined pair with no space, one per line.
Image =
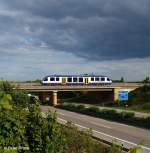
123,117
139,99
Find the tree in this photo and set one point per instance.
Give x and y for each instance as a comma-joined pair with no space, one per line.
19,98
34,128
122,79
12,124
44,135
6,87
146,80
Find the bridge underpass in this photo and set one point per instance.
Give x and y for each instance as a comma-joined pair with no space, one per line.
91,97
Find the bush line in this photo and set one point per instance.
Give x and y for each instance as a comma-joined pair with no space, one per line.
113,115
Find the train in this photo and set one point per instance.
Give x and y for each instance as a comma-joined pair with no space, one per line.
76,80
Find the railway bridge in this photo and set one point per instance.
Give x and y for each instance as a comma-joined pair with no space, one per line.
102,93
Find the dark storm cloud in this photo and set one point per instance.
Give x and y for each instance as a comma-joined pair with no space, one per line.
96,30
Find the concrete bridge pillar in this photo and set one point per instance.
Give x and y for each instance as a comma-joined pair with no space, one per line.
54,98
49,98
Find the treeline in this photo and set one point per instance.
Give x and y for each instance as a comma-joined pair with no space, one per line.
23,129
121,80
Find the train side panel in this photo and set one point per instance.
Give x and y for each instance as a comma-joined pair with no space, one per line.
76,80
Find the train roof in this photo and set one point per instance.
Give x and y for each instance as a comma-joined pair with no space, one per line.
56,75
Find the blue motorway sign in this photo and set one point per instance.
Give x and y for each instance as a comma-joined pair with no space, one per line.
123,95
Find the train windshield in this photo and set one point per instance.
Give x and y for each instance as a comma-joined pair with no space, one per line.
52,79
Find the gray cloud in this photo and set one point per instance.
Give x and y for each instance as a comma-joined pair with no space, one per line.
96,30
38,37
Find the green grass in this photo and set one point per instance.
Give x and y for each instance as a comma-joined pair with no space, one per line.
145,108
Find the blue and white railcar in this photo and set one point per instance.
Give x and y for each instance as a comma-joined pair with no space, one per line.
76,80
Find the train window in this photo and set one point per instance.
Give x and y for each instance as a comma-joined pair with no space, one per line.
92,79
96,79
45,79
69,79
80,79
52,79
108,79
102,79
57,79
75,80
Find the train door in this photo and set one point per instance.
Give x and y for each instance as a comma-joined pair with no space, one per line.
86,80
63,80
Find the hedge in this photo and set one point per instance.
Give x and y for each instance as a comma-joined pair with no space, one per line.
123,117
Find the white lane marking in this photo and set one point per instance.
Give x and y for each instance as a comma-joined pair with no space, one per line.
108,127
102,125
134,144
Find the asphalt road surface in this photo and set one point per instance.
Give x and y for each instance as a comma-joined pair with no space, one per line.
125,135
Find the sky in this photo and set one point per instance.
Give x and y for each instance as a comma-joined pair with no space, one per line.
104,37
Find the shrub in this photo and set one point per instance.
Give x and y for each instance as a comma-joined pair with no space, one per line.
20,98
81,142
124,117
127,115
7,151
80,108
6,87
43,135
21,127
92,111
12,128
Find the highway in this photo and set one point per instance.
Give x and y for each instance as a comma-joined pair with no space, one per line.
129,136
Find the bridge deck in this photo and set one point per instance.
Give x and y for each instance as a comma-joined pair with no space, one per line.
37,87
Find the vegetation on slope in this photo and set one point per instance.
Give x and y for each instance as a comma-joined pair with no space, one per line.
139,99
